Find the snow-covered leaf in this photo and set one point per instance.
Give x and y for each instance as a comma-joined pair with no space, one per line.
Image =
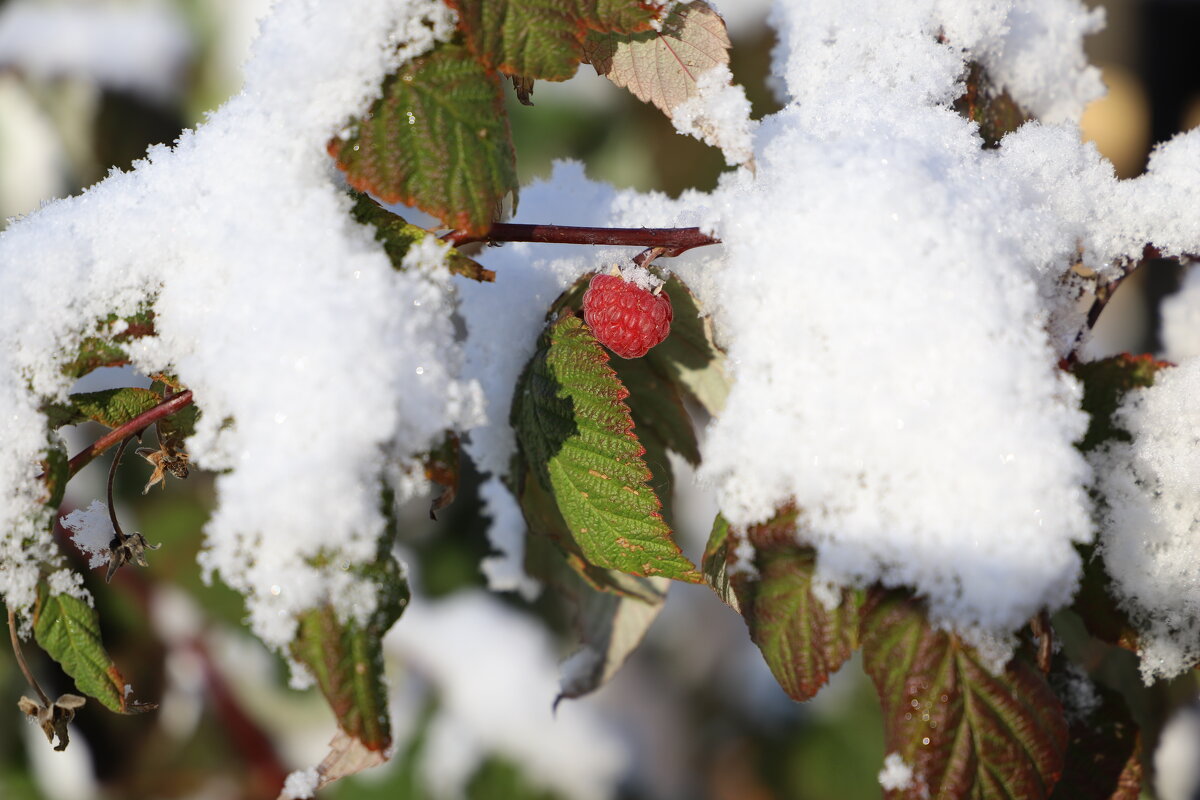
347,756
576,434
346,656
104,349
962,729
438,139
805,631
1105,383
990,106
398,235
68,629
661,67
542,38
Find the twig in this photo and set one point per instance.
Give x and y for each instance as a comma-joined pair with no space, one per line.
131,428
671,241
112,474
16,646
646,256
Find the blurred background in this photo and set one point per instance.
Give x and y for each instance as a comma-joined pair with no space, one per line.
85,87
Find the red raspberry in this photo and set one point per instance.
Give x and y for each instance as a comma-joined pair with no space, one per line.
626,318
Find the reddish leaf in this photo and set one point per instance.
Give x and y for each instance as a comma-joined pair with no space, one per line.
542,38
438,139
802,639
964,731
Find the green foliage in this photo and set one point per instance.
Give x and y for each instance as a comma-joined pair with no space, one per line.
689,358
802,640
437,139
576,434
542,38
398,235
965,731
68,629
110,407
719,554
1105,384
100,349
346,656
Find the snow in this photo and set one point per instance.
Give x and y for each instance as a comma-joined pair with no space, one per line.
896,774
1176,770
316,364
1151,518
719,115
91,531
894,301
140,47
505,569
301,784
1181,319
495,673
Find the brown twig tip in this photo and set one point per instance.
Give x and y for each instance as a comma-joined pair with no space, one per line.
135,426
670,241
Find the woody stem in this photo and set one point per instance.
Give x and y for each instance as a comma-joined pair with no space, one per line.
16,646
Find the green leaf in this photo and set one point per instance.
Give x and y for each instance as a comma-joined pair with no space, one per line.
1105,384
661,67
718,555
68,629
576,434
542,38
110,407
437,139
609,611
660,421
963,730
101,349
55,473
689,357
802,640
659,416
398,236
346,657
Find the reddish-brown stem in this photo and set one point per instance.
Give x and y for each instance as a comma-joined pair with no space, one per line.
112,477
1104,293
16,646
646,256
671,241
135,426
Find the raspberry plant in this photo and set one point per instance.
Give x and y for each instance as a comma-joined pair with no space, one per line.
590,467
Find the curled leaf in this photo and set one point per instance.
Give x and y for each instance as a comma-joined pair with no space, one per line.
55,718
130,550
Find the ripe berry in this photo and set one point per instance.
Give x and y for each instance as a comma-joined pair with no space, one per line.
624,317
